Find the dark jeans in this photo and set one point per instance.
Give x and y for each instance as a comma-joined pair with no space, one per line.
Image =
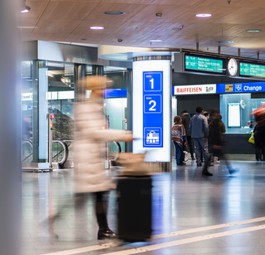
259,151
179,153
191,146
218,151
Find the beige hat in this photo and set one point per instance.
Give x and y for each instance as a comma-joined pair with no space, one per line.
95,82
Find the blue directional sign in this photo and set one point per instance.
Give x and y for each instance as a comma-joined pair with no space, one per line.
246,87
153,109
152,103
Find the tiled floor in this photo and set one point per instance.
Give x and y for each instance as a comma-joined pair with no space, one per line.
198,215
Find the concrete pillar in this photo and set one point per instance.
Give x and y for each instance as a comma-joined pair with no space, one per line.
10,168
80,73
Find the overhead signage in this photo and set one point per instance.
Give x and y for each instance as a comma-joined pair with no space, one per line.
195,89
248,87
151,109
251,70
204,64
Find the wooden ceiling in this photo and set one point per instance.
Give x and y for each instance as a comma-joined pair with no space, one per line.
178,27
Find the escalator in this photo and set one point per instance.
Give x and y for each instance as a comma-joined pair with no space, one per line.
61,155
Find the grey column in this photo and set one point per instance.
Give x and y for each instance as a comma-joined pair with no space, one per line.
10,169
128,82
80,73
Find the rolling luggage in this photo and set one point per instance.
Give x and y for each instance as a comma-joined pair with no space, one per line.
134,208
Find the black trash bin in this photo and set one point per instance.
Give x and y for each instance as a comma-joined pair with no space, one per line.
134,208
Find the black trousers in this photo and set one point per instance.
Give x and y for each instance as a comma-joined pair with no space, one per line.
80,199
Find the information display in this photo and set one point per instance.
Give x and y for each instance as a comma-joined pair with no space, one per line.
204,64
233,115
251,70
153,109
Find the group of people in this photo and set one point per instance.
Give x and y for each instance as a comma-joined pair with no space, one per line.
203,134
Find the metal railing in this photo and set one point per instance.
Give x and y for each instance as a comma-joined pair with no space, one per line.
60,152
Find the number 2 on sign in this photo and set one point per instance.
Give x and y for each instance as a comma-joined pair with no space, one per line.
152,108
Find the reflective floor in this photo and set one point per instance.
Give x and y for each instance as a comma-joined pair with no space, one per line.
192,214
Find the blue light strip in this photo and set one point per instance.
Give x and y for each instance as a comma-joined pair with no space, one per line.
115,93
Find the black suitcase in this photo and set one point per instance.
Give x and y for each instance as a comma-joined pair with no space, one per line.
134,208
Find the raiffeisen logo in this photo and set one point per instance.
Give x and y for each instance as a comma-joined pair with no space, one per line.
252,88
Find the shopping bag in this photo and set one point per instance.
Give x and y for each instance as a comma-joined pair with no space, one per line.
251,138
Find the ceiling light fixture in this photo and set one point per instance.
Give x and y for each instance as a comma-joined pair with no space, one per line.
255,30
25,9
155,40
203,15
225,42
96,27
114,12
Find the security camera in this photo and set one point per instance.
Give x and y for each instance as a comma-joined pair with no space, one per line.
119,40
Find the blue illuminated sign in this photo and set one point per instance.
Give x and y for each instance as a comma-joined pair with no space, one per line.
248,87
153,109
115,93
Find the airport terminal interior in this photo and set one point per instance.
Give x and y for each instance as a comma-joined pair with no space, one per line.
163,57
191,214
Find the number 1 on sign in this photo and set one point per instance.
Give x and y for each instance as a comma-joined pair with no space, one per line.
152,83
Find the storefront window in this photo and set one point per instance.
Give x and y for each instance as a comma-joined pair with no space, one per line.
27,111
236,112
61,99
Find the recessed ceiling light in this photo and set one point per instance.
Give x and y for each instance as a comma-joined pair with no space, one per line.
25,9
225,42
114,12
26,27
96,27
256,30
156,40
203,15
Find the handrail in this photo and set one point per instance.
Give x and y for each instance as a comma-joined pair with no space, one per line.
29,142
65,150
116,156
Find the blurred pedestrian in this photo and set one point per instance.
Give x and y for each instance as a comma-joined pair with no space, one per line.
91,136
216,140
179,138
259,133
185,116
199,132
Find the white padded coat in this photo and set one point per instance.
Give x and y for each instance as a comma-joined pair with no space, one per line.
90,145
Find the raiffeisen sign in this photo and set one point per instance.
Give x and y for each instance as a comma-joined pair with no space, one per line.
194,89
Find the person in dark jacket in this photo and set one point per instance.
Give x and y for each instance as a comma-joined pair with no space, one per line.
259,134
185,116
216,140
199,132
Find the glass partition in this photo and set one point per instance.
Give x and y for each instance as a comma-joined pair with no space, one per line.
236,112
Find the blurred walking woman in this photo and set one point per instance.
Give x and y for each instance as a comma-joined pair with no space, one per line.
91,136
89,148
